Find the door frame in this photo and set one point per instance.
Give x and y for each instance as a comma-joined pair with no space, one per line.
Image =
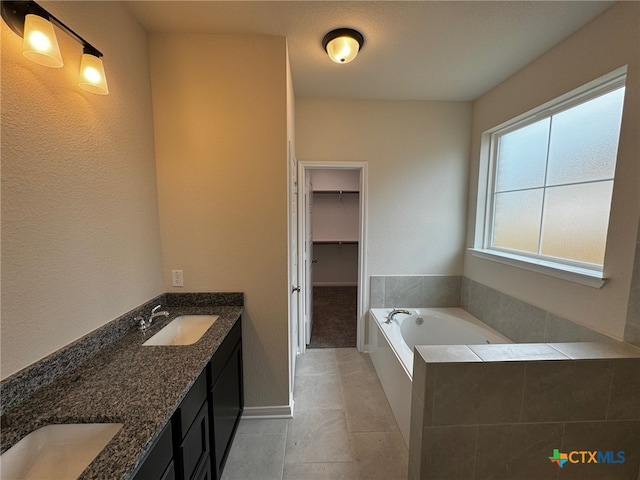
363,280
293,303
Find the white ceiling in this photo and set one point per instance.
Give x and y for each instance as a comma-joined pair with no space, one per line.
414,50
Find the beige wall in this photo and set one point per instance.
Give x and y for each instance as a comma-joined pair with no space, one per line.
80,236
220,116
417,154
610,41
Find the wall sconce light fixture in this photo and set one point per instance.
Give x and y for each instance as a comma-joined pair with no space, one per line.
35,25
343,44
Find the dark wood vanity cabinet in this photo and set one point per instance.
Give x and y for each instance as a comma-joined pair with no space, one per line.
226,397
158,464
182,450
192,431
195,444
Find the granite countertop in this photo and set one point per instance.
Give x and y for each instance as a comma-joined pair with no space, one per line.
140,387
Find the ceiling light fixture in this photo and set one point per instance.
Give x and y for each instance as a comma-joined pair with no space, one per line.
35,25
343,44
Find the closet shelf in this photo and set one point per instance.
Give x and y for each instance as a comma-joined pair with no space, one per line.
336,192
336,242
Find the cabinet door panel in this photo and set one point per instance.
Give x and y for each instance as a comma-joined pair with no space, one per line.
204,473
154,465
190,406
227,405
195,446
170,473
224,351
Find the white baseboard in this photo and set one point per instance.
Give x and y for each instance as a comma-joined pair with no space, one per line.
277,411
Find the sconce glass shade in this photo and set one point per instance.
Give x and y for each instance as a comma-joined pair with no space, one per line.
40,43
92,77
342,45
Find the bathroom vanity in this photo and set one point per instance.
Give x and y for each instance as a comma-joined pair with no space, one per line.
179,405
196,442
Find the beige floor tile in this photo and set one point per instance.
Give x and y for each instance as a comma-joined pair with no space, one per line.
343,427
262,425
318,436
313,392
317,361
354,363
365,404
379,455
346,354
256,456
320,471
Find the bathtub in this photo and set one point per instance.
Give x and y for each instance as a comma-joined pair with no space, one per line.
392,347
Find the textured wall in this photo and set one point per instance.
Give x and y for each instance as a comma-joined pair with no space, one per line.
80,236
610,41
221,149
417,154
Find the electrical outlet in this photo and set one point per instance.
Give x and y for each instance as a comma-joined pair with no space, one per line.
177,278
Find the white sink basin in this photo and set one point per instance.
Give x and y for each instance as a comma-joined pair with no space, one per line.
56,451
183,330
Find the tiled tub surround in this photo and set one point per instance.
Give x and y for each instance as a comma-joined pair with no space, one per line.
499,411
123,382
392,348
520,321
415,291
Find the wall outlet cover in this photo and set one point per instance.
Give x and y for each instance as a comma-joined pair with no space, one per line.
177,278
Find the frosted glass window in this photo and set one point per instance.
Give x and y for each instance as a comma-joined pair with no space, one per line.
575,221
551,194
517,220
523,157
584,140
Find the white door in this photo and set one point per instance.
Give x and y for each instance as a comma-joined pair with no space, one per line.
308,257
294,298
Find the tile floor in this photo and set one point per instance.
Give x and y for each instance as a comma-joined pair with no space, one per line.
342,429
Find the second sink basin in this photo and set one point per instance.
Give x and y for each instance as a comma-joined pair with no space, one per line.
183,330
56,451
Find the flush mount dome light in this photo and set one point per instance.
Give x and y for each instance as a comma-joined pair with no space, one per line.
343,44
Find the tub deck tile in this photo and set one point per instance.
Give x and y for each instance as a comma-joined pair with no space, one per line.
517,352
447,354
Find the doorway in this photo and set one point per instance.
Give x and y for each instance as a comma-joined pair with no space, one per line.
332,252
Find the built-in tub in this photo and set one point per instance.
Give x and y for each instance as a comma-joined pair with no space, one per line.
393,343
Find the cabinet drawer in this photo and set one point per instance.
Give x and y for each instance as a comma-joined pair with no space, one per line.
194,449
154,466
190,406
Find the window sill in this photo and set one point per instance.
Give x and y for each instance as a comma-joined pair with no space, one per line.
579,275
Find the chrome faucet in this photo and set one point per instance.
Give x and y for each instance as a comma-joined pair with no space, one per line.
155,313
143,325
394,312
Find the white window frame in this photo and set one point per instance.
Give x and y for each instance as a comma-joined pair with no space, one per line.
584,273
